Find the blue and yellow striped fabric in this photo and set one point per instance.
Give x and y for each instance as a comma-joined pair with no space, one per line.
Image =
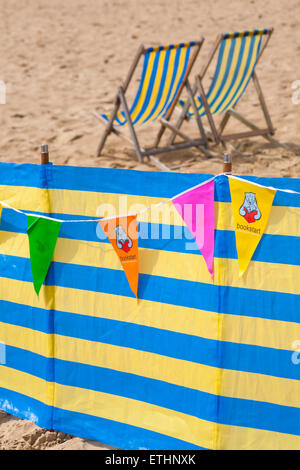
237,58
195,364
164,70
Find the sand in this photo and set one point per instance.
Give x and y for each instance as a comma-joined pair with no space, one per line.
60,61
17,434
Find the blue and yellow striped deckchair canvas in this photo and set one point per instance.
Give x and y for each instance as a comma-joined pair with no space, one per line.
164,74
237,59
195,364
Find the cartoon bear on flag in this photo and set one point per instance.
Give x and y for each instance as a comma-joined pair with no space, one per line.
123,241
249,209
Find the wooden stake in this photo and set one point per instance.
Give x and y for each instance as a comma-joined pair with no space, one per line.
227,167
44,154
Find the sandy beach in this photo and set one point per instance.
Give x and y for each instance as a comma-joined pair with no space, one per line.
60,61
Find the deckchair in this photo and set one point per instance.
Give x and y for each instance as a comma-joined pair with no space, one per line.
164,75
239,54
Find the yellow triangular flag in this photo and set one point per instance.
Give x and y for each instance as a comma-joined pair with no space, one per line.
251,207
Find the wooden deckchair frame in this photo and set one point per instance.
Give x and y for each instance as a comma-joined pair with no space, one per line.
121,102
218,134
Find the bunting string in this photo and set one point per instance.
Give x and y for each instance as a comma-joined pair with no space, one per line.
289,191
195,205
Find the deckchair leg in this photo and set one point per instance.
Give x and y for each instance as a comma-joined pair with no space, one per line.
179,123
224,122
256,130
130,124
109,127
180,120
193,143
263,103
102,141
176,131
207,111
198,118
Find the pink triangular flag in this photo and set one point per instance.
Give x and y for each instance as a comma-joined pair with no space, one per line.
196,207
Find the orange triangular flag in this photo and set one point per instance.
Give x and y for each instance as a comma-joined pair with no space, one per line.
122,233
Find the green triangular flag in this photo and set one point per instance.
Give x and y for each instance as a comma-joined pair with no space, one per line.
42,234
